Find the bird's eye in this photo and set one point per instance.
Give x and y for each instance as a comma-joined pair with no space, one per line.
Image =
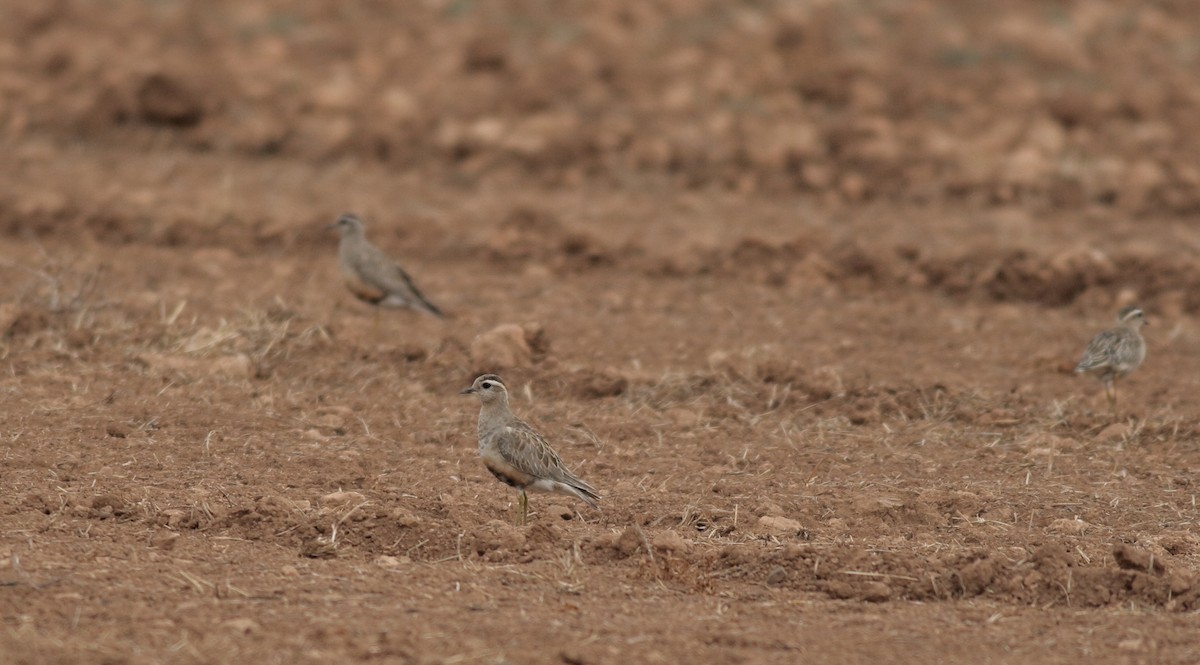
486,385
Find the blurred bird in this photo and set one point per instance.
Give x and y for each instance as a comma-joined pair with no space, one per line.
516,454
373,276
1116,352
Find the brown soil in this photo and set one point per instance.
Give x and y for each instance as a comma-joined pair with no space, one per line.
805,284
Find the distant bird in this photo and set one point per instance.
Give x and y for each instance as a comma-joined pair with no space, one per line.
516,454
1116,352
373,276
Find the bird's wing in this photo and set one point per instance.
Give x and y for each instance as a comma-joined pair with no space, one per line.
353,263
525,449
1128,350
1099,351
385,273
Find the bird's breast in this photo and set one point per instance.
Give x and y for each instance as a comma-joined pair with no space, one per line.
504,471
364,291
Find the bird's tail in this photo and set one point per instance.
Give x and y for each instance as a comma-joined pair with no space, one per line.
582,491
416,301
428,307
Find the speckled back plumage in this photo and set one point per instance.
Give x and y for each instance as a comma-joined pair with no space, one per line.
1117,351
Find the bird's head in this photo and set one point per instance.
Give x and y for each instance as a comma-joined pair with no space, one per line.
1132,315
348,224
489,388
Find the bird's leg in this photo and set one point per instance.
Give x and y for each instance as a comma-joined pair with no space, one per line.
523,506
375,323
1110,391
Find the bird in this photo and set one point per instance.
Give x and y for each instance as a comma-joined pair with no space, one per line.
373,276
516,454
1116,352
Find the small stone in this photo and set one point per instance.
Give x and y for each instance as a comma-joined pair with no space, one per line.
105,506
289,571
319,548
237,365
629,542
389,561
339,93
875,592
840,589
1131,644
1043,444
257,132
1129,557
336,500
172,517
400,105
719,360
593,385
331,420
777,576
780,526
499,537
487,131
405,519
9,313
214,262
536,272
669,541
1113,433
853,187
1180,582
502,347
681,417
486,52
1068,526
1141,179
243,625
1025,167
766,507
43,503
1126,296
278,506
163,99
164,540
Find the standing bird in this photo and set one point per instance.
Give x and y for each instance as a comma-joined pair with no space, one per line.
516,454
372,276
1116,352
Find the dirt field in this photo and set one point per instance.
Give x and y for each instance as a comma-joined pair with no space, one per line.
804,284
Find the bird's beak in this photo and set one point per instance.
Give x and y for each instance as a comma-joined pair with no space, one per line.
331,227
467,391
